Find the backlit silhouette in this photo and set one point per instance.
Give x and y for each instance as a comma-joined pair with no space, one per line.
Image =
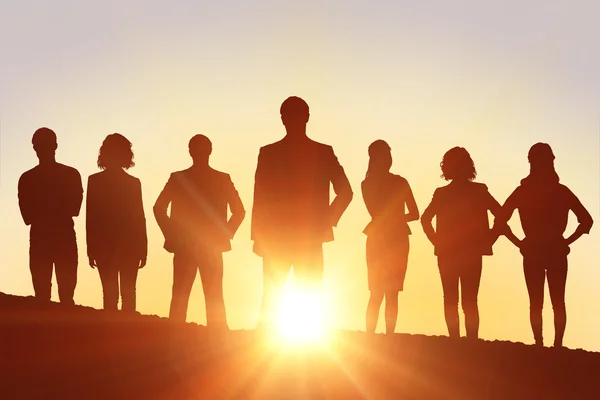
115,223
50,195
292,215
197,230
544,206
387,197
462,236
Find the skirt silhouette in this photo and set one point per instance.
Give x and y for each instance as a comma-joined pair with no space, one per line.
387,260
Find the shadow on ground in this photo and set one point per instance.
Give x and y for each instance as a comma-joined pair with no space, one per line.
50,351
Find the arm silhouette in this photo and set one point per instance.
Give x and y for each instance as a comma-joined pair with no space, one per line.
504,215
342,189
91,222
259,201
236,207
411,204
427,217
25,200
583,217
139,222
76,198
160,208
500,226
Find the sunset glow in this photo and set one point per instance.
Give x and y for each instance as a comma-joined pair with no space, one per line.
300,315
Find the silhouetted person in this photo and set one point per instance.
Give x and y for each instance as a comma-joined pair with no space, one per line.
197,231
292,216
387,197
544,206
115,223
50,195
462,236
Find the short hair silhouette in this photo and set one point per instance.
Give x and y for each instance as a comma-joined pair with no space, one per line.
457,163
294,106
115,150
200,146
540,152
44,139
380,153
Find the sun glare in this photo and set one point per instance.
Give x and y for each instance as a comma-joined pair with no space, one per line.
300,315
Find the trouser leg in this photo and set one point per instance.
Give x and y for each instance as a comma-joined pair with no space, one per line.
65,264
128,273
211,274
449,276
469,287
41,264
184,273
110,284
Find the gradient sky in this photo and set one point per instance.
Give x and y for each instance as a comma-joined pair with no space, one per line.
425,76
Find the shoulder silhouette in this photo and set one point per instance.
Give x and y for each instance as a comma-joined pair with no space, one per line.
50,195
117,243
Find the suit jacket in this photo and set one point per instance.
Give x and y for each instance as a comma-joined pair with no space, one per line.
115,220
462,224
199,199
292,194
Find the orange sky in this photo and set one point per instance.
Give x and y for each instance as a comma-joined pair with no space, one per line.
492,78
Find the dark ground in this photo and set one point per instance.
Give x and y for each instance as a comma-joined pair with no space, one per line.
49,351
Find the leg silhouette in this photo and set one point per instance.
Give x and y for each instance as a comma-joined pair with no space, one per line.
128,278
469,287
373,307
450,279
109,276
274,275
41,265
66,269
211,274
557,280
391,311
184,274
535,277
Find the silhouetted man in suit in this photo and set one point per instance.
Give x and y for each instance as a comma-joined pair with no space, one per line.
292,216
50,195
197,231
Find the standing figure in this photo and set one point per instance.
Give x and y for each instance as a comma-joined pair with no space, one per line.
544,206
387,197
462,236
50,195
115,223
292,215
197,230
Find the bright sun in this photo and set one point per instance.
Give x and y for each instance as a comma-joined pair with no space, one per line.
300,315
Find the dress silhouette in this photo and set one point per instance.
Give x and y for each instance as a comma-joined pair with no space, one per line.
387,197
544,204
115,223
50,195
462,236
197,230
292,215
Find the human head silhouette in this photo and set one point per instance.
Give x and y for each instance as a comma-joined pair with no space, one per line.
115,152
295,115
380,157
200,149
458,165
45,144
541,160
